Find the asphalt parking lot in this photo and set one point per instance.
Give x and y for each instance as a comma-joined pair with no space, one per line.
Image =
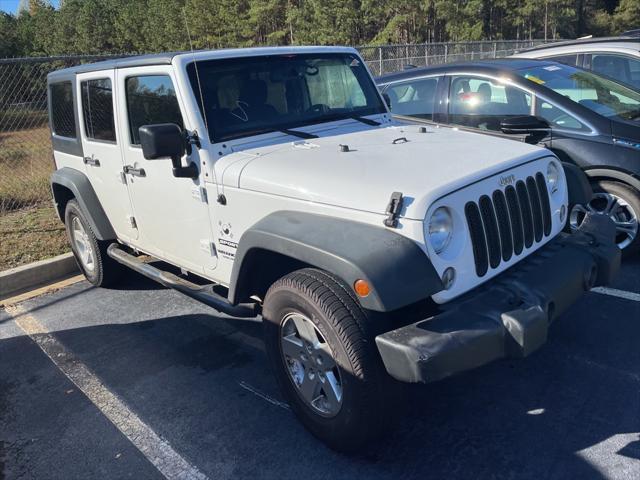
142,382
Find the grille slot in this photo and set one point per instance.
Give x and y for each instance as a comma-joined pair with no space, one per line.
504,223
478,242
515,214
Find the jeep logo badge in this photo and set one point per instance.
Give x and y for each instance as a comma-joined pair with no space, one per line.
507,180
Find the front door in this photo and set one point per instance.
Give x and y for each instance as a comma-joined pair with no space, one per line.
102,153
171,213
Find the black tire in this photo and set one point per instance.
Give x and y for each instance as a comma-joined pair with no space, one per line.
632,197
104,270
367,390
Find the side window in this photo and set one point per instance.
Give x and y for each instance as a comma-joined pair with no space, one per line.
97,109
566,59
484,103
151,99
559,118
618,67
414,98
63,120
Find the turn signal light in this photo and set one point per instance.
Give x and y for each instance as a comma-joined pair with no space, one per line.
362,287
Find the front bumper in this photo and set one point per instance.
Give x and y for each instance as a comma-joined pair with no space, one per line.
508,316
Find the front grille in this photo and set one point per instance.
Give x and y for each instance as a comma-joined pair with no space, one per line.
502,224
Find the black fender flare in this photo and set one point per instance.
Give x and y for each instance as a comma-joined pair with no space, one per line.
80,187
578,186
397,269
614,174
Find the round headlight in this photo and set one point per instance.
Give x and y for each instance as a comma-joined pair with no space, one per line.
553,176
439,229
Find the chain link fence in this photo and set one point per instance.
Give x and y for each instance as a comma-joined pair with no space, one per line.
26,156
392,58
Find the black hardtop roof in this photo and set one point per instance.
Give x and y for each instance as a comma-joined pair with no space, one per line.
498,65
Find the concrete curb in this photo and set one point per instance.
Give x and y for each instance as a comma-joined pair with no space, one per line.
19,279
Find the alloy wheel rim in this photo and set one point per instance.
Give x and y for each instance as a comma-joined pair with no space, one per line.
310,364
616,208
82,244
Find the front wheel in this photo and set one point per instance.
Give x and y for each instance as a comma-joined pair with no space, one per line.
621,203
323,354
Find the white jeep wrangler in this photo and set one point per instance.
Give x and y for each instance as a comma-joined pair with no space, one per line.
274,181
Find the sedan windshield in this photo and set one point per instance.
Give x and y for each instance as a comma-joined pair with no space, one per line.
252,95
597,93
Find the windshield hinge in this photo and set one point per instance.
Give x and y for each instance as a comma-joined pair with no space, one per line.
393,210
191,139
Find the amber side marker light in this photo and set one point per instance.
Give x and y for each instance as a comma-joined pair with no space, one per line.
362,287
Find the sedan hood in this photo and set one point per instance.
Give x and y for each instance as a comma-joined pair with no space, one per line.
379,161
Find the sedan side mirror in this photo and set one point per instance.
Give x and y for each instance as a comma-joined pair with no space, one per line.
525,125
166,140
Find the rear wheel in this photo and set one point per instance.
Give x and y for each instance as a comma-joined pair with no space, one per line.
90,253
619,202
323,354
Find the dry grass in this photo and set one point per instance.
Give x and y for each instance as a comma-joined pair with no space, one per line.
29,227
26,161
30,235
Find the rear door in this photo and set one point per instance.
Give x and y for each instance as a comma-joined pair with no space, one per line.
102,153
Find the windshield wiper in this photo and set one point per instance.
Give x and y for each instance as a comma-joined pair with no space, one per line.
366,121
297,133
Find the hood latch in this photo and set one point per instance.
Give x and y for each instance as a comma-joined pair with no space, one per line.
393,210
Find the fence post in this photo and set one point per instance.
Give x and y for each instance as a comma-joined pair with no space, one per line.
445,52
495,49
380,59
426,55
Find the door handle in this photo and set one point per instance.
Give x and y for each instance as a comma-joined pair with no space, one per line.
91,161
136,172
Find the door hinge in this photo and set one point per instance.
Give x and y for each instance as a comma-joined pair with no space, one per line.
200,193
209,247
132,222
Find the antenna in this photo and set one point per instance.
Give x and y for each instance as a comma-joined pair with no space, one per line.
221,198
195,65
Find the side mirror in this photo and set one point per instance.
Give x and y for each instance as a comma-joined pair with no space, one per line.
166,140
526,125
387,100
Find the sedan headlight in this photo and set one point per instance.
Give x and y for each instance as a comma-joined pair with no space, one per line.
553,176
439,229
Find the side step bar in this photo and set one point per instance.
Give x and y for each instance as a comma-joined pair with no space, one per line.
202,293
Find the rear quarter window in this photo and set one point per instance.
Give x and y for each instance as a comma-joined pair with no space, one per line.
63,121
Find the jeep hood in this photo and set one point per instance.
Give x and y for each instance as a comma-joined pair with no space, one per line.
380,161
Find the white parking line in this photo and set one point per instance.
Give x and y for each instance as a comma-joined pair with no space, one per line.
613,292
157,450
264,396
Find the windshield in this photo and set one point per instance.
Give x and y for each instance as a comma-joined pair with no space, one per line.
597,93
252,95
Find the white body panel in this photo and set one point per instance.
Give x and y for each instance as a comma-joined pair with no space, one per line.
424,167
